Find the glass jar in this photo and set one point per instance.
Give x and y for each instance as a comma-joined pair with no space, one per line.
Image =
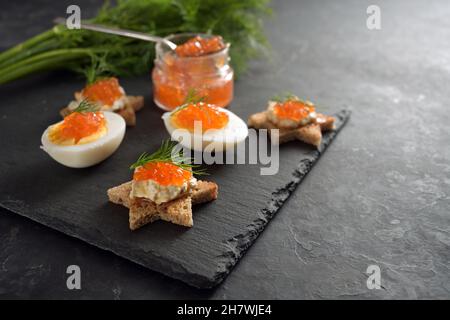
209,76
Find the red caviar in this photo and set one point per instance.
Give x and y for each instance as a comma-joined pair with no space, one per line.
105,91
163,173
293,109
198,46
211,116
189,67
79,125
172,94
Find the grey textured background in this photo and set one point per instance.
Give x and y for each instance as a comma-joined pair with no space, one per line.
381,198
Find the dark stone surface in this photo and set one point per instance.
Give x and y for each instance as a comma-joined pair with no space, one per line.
379,196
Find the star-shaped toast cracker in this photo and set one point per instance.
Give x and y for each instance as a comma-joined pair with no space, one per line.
128,112
311,133
179,211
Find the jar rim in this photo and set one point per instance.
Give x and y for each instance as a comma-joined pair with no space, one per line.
159,46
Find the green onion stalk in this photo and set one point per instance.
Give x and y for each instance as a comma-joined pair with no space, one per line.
95,54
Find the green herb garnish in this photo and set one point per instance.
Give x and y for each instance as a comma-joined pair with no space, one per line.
164,154
238,22
86,106
283,97
192,97
97,70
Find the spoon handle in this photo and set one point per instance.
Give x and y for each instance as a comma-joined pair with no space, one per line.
121,32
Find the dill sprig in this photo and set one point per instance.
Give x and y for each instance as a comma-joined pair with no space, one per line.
98,69
164,154
192,97
86,106
238,22
283,97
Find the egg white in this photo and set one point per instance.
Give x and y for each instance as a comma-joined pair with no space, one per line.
88,154
233,133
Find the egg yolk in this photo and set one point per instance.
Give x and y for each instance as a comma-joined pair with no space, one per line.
163,173
210,116
199,46
105,91
78,125
292,109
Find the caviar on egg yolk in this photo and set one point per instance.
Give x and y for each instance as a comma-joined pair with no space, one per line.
163,173
210,116
79,128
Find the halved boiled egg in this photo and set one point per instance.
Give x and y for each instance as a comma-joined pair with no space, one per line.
84,138
201,126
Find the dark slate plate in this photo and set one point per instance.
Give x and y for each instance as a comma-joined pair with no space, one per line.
74,201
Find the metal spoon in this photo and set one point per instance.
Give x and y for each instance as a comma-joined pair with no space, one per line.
121,32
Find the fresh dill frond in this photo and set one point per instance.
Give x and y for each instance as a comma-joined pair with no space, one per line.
191,98
86,106
165,154
283,97
194,97
83,51
98,69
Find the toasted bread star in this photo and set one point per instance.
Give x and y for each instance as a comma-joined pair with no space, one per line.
311,133
178,211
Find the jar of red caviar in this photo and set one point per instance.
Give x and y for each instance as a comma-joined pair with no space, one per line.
174,76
